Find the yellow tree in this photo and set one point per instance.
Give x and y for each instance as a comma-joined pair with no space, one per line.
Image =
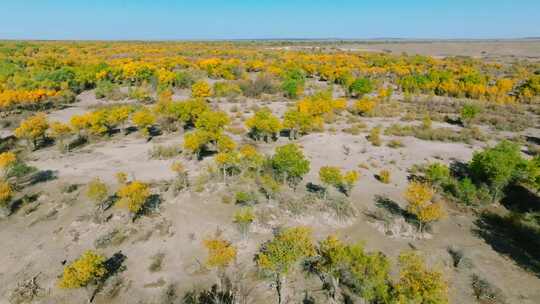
133,196
144,119
59,132
201,89
97,190
7,160
417,284
264,125
221,254
5,193
287,249
33,129
88,269
419,196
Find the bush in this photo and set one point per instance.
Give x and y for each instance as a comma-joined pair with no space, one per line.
293,83
97,190
437,174
109,90
33,129
384,176
133,196
375,136
87,269
263,84
244,218
227,89
201,89
468,113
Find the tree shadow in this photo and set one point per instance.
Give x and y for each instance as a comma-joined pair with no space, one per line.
314,188
533,139
17,204
520,199
394,209
459,169
78,142
512,238
43,176
114,265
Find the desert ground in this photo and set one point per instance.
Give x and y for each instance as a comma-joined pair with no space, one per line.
54,221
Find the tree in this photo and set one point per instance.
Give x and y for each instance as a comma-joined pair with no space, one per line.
293,83
419,196
361,86
298,123
144,119
133,196
182,177
350,178
60,131
250,159
86,270
201,89
244,218
7,160
5,193
331,261
364,106
330,176
468,112
195,142
97,190
212,122
437,174
290,164
417,284
277,257
264,125
497,167
221,253
33,129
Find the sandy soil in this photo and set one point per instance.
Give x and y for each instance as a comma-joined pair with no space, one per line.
61,226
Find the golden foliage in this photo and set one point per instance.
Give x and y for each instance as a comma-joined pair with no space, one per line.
87,269
133,196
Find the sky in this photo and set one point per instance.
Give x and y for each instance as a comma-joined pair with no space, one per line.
266,19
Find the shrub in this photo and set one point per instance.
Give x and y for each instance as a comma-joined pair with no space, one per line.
144,120
201,89
361,86
60,131
87,269
165,152
486,292
244,218
97,190
331,176
384,176
468,113
107,89
33,129
133,196
7,161
394,144
263,84
364,106
226,89
437,174
498,167
290,164
183,80
375,136
5,193
243,197
221,253
141,93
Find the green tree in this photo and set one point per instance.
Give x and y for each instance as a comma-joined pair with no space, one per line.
497,167
468,112
290,164
361,86
277,257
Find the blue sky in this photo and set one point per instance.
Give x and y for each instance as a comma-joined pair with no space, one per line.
237,19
